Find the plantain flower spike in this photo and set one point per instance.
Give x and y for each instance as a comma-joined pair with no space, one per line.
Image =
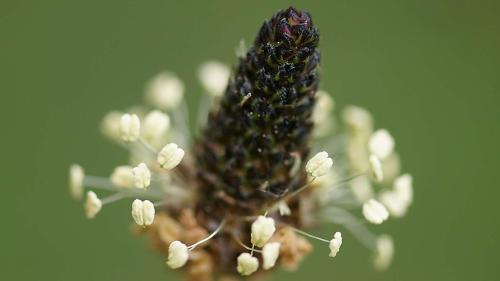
239,198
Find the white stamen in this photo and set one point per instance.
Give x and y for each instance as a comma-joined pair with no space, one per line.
247,264
262,230
142,176
358,118
92,205
322,112
319,165
375,212
384,252
177,255
130,127
270,254
170,156
143,212
381,144
123,176
214,77
376,168
391,167
110,125
165,91
396,206
361,188
335,244
403,185
155,126
76,176
399,199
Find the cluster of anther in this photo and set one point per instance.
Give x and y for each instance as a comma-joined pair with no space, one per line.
255,139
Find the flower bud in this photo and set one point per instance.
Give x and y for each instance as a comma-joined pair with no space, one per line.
262,230
177,255
247,264
130,127
170,156
142,176
319,165
143,212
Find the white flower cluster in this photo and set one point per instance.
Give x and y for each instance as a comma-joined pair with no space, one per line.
368,178
263,229
367,174
142,139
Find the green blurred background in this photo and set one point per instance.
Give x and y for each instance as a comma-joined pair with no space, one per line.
428,70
